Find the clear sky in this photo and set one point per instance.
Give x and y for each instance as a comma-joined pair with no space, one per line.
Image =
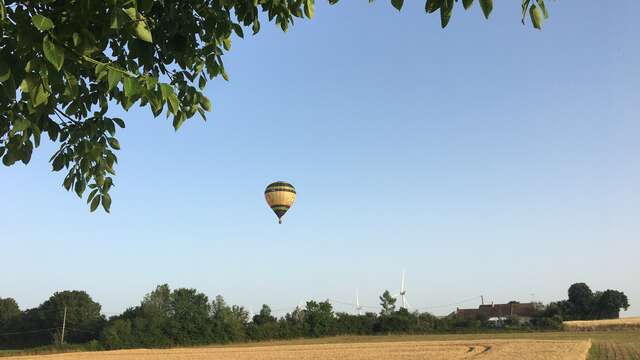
485,159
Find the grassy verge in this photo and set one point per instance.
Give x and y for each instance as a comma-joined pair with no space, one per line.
46,350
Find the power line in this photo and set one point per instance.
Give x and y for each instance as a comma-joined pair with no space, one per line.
44,330
450,304
84,331
28,332
420,308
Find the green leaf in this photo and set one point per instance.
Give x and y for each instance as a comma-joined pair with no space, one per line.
536,16
5,71
178,120
41,22
432,5
79,188
145,5
40,96
119,121
108,182
131,12
205,103
140,28
131,87
68,181
114,143
113,78
467,3
94,203
171,98
487,7
445,12
8,159
29,83
543,8
142,31
3,11
53,53
308,8
397,4
100,68
20,125
91,195
525,6
238,30
106,202
58,163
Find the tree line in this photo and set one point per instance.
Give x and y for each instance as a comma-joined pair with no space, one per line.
185,317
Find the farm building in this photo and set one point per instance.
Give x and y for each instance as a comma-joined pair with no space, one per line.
524,311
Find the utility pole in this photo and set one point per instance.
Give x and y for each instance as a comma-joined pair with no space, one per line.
64,323
482,299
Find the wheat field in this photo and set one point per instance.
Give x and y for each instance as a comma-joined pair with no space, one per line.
610,324
409,350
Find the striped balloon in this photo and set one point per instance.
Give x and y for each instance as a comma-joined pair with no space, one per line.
280,196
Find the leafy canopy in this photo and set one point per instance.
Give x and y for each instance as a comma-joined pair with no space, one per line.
63,63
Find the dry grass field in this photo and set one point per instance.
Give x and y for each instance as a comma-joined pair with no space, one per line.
622,345
612,324
394,350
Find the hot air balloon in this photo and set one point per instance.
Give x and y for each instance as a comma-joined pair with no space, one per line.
280,196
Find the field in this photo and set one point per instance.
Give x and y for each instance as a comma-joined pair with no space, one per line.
409,350
543,345
612,324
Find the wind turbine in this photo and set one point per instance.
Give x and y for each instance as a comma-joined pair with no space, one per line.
358,306
403,294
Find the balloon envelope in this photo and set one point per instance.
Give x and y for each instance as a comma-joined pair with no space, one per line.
280,196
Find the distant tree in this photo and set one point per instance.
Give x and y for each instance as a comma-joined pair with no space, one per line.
348,324
580,298
583,304
10,321
401,321
118,334
319,319
607,304
292,325
84,321
426,322
388,303
9,311
189,320
150,320
159,300
228,322
263,326
264,316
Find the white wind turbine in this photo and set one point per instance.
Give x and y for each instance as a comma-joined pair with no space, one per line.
358,306
403,294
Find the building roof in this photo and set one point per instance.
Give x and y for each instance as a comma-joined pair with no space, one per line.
500,310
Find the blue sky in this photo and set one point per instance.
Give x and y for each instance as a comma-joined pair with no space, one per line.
488,158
